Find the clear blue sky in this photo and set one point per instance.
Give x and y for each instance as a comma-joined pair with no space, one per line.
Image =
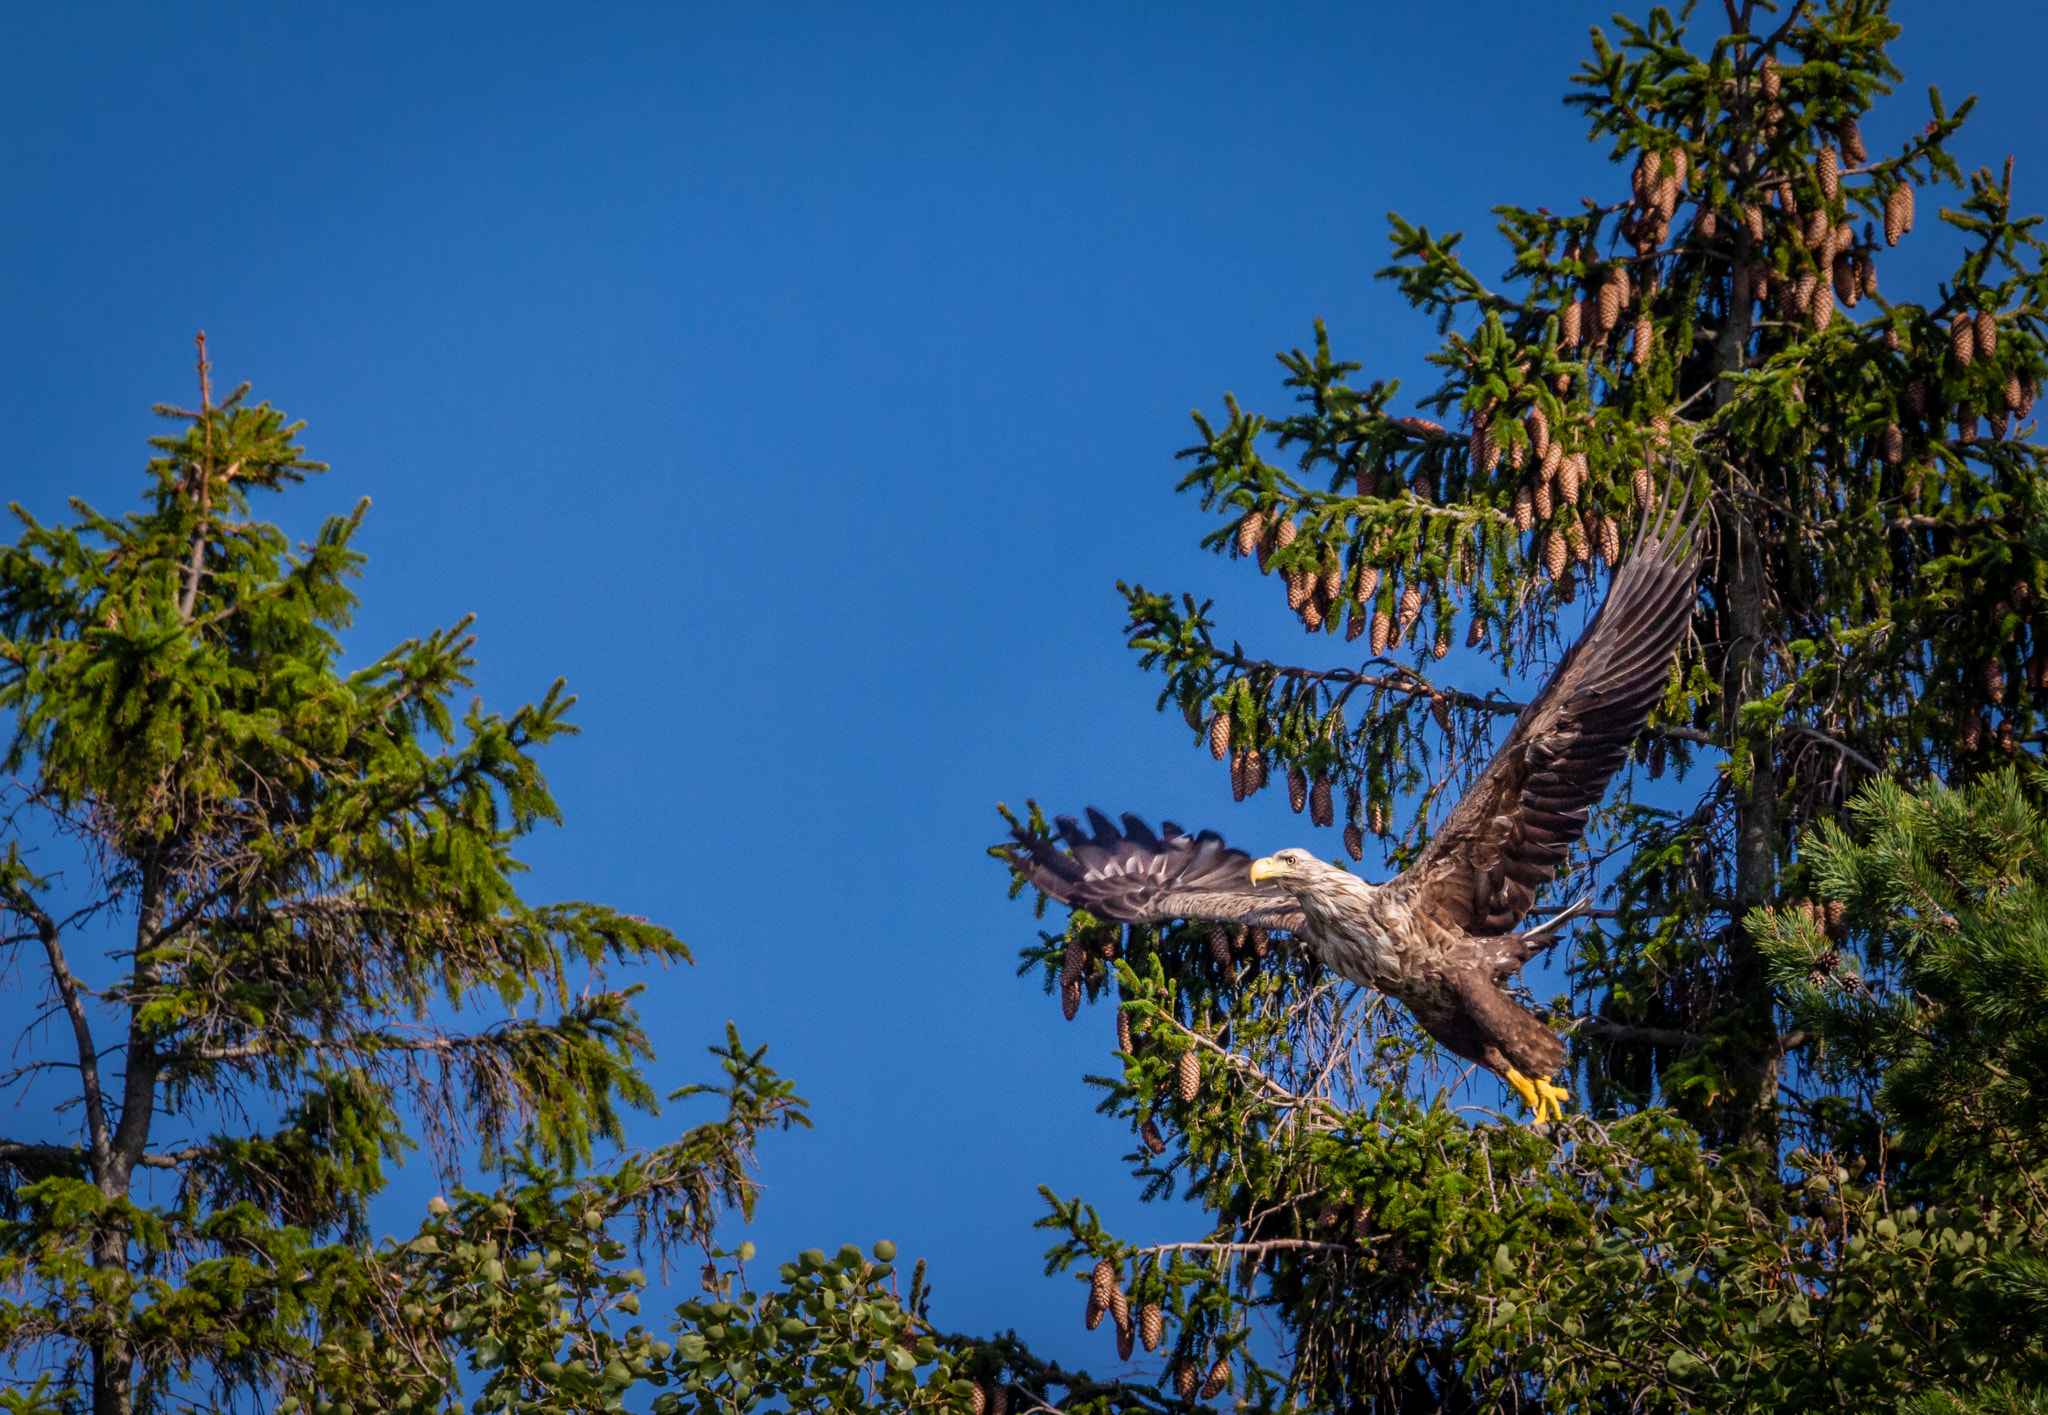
797,380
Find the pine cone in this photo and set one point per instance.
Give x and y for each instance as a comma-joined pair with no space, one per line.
1803,290
1219,1377
1541,502
1572,476
1768,79
1476,635
2015,395
1611,292
2008,742
1842,275
1250,531
1643,177
998,1400
1095,1313
1237,776
1258,940
1125,1042
1571,324
1312,616
1376,818
1070,997
1185,1380
1074,961
1645,337
1827,168
1219,947
1368,580
1331,587
1610,540
1973,731
1411,607
1299,586
1866,278
1525,510
977,1401
1707,226
1123,1341
1656,759
1355,625
1916,398
1151,1325
1354,842
1120,1311
1987,333
1966,423
1297,788
1894,443
1554,554
1553,458
1641,486
1999,426
1255,770
1284,533
1822,303
2029,390
1187,1077
1539,431
1851,138
1994,682
1380,627
1815,229
1962,339
1102,1282
1575,535
1753,218
1149,1133
1319,810
1219,736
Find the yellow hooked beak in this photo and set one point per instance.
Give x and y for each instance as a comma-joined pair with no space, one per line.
1268,868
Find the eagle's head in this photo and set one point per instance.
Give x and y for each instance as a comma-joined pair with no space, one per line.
1303,875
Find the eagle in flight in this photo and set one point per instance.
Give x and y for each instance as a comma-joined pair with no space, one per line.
1441,936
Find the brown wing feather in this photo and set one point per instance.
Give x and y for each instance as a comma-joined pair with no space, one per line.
1509,833
1137,877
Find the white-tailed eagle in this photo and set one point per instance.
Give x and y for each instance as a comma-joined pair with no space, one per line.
1439,936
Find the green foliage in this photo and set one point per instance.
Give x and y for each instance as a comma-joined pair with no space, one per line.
303,876
1777,1199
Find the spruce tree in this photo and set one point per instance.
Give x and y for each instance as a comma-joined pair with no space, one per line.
1871,604
302,877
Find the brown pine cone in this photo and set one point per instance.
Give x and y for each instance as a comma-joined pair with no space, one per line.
1187,1077
1753,218
1120,1310
998,1400
1966,423
1916,398
1219,1377
1368,580
1102,1282
1237,776
1541,503
1611,292
1151,1325
1257,940
1803,291
1610,540
2015,395
1411,607
1070,997
1571,324
1219,736
1219,947
1821,306
1096,1311
1554,554
1994,682
1827,168
1074,961
1319,810
1124,1343
1815,229
1851,138
1894,443
1999,426
1898,208
1842,275
1125,1042
1962,339
1297,788
1642,178
977,1401
1186,1379
2029,390
1376,818
1553,458
1539,431
1355,625
1640,485
1987,333
1973,731
1571,476
1866,274
1644,340
1285,532
1255,770
1354,842
1149,1133
1768,78
1299,585
1476,635
1525,510
1312,617
1707,226
1575,535
1250,531
1380,627
1331,586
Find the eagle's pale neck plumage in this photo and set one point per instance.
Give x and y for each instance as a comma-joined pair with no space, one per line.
1345,918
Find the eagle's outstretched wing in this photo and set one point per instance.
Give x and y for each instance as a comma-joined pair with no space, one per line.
1137,877
1509,833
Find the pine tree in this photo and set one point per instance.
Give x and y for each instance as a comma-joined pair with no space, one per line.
1871,604
304,875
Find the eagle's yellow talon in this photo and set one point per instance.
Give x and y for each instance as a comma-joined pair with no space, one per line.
1539,1095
